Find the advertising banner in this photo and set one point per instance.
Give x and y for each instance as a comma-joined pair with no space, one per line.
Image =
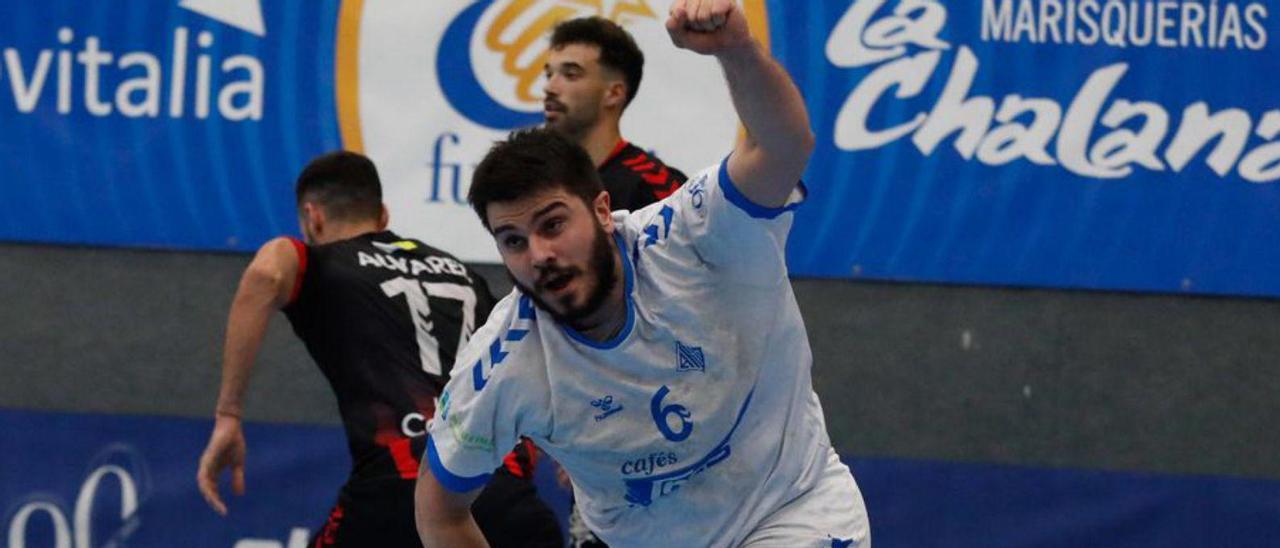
82,481
1065,143
1098,144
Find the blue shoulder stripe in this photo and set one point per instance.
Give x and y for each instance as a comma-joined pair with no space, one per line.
499,349
737,198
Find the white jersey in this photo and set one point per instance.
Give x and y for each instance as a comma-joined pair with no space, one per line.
697,422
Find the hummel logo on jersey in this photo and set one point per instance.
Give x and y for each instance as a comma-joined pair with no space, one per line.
605,404
690,358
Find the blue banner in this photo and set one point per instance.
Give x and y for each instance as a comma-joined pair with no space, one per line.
1083,144
74,480
925,504
1099,144
146,123
87,480
82,481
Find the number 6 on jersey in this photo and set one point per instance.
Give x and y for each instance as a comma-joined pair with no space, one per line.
660,414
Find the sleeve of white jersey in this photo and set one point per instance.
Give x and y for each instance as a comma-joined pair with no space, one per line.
741,240
482,411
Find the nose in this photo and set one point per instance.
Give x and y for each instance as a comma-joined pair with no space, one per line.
541,251
549,86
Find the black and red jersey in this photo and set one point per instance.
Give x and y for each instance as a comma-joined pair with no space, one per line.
383,317
635,179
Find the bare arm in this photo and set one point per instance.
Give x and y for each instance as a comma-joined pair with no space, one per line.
444,517
768,163
264,288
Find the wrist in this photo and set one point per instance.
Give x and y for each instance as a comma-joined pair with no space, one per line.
749,49
227,413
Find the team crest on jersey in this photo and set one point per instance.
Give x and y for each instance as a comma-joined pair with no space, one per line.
690,358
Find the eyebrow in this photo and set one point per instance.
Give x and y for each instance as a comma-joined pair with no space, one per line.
536,215
563,66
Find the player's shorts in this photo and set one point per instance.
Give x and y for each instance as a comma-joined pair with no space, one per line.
826,516
375,512
380,513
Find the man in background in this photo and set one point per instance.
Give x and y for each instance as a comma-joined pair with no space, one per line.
593,73
383,317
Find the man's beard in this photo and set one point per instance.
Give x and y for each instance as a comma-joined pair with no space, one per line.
573,129
571,124
602,266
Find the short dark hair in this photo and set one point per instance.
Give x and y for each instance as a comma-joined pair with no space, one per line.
528,162
344,183
618,50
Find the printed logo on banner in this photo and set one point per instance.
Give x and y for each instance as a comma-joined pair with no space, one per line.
75,71
119,467
510,96
173,123
431,86
1098,133
1101,144
117,478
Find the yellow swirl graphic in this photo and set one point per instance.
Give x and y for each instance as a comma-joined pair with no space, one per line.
526,76
534,35
347,49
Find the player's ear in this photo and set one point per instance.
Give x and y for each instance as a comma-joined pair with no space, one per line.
603,210
384,217
313,219
615,94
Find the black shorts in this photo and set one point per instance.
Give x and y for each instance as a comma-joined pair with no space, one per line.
380,513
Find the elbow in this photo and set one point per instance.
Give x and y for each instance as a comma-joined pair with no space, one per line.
800,147
806,142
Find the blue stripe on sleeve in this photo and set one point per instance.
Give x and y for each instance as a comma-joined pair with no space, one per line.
455,483
753,209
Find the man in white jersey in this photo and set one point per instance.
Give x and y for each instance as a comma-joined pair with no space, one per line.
658,355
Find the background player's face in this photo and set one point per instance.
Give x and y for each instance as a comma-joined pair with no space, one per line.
578,89
558,251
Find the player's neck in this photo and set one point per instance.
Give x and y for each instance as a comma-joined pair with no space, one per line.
337,232
609,320
600,141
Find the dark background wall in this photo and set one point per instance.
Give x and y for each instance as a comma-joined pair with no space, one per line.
1048,378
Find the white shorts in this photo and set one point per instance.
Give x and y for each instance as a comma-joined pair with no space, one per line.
825,516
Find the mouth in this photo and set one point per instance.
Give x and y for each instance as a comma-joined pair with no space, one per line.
555,283
553,107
